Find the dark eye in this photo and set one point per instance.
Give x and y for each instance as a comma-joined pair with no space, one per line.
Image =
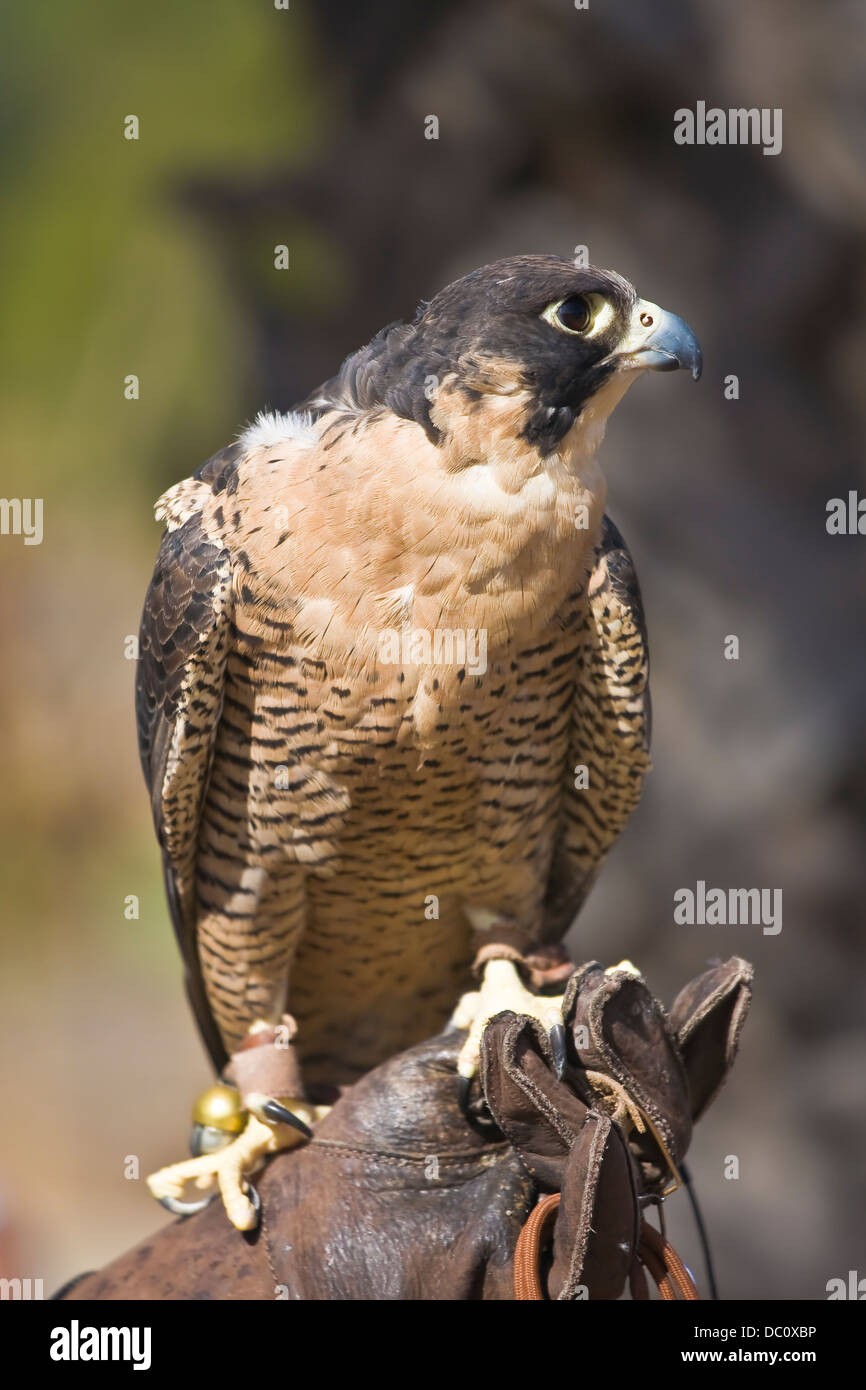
574,314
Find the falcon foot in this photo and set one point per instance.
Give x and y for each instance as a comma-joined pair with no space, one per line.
270,1127
502,989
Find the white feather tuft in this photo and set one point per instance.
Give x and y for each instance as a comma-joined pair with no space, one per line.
270,428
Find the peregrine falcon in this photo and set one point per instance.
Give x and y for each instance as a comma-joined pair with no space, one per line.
392,690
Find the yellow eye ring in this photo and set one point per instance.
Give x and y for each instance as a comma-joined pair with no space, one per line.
577,314
574,314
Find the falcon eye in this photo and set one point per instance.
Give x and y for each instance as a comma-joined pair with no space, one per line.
574,314
580,313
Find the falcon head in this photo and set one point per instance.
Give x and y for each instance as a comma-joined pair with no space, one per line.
555,339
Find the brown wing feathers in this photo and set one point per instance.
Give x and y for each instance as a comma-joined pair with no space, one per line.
182,650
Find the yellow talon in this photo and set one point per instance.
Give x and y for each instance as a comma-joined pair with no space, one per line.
501,989
229,1167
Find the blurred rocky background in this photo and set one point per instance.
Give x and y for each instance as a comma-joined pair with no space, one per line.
306,127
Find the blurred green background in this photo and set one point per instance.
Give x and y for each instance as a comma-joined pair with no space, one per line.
155,257
106,275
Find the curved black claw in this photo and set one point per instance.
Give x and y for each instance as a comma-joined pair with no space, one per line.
464,1086
556,1036
253,1194
279,1115
177,1207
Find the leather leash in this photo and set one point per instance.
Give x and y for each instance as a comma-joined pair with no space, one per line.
654,1253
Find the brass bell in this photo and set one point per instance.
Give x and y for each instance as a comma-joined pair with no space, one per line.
217,1118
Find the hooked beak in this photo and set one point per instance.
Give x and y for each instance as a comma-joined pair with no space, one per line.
660,341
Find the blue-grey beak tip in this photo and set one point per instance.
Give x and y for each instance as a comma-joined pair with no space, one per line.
672,344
